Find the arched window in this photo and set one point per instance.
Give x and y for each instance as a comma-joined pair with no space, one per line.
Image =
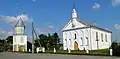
65,42
106,37
96,36
70,43
87,41
75,36
81,41
102,37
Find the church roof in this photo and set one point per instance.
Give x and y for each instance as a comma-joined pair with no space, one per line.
75,16
20,23
94,26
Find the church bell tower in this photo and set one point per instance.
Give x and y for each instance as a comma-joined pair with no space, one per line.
19,37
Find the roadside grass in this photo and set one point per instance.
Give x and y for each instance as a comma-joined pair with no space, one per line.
102,52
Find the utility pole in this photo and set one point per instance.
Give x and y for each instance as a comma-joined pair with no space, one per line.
32,37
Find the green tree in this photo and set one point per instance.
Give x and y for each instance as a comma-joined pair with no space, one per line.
9,39
48,41
114,45
8,43
2,43
56,40
43,40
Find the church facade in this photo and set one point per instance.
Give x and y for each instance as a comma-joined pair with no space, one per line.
78,35
19,37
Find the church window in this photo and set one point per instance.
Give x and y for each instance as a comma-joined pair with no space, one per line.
106,37
66,42
73,25
70,42
87,41
96,36
102,37
81,41
75,36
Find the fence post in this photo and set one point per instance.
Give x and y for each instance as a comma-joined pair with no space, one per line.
111,52
54,50
69,51
43,49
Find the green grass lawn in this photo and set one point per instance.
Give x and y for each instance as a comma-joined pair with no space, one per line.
102,52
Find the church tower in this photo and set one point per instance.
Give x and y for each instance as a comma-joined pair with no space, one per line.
74,13
74,16
19,37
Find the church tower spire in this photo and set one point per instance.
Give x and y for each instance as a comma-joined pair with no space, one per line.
19,27
20,23
74,13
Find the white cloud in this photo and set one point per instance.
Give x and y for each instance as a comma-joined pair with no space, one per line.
50,26
115,3
12,19
96,6
117,27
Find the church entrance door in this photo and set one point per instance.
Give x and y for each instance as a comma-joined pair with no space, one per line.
75,45
21,48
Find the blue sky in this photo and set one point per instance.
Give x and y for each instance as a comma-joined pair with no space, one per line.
52,15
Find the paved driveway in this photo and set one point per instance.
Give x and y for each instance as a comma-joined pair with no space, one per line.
10,55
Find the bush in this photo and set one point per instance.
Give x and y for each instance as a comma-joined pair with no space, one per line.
116,49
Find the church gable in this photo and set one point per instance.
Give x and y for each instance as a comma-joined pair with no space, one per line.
73,25
74,22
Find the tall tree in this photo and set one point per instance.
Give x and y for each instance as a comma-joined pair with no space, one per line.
9,39
9,42
43,40
2,43
50,42
56,40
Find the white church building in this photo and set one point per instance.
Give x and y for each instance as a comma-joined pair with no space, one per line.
19,37
78,35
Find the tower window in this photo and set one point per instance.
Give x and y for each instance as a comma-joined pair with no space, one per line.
75,36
